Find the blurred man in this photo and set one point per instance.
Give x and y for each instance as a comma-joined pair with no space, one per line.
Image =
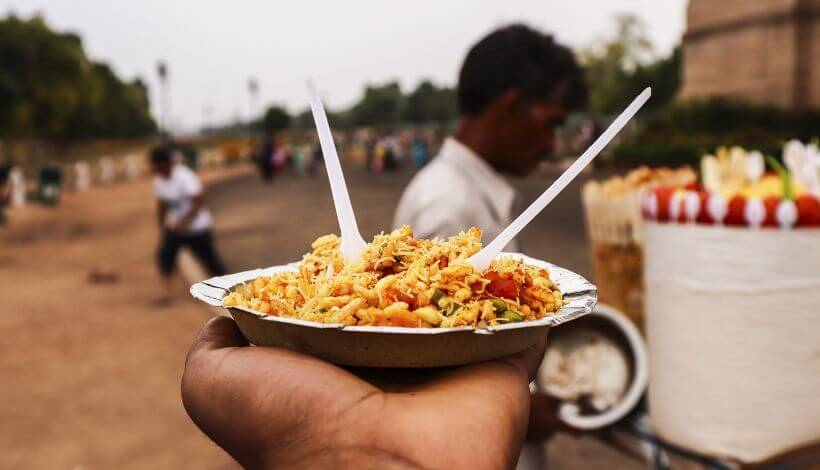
515,88
184,220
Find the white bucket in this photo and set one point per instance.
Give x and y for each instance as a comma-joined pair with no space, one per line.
733,324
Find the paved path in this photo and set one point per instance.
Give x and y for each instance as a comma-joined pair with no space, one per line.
277,222
91,371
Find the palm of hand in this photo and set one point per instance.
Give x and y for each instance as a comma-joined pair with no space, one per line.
275,408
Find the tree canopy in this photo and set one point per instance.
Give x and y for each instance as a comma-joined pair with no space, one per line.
380,105
429,103
276,119
387,105
618,68
50,89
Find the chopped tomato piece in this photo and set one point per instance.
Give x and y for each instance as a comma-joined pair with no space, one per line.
501,287
395,295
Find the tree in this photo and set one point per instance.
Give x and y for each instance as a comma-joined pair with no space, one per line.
428,103
303,120
610,64
663,75
276,119
386,105
50,90
380,105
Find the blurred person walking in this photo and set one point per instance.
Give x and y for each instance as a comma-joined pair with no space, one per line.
49,185
377,161
418,151
391,157
316,158
281,158
515,87
17,186
183,218
5,190
267,152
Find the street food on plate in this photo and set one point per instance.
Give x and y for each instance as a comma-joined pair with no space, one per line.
641,178
403,281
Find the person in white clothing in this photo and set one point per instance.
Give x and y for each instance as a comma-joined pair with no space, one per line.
515,88
183,219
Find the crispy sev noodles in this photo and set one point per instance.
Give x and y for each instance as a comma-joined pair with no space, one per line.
403,281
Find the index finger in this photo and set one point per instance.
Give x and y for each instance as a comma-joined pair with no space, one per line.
528,360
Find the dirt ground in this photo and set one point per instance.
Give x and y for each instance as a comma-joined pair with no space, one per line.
91,369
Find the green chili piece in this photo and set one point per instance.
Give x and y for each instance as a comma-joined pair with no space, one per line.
438,294
512,316
499,305
448,306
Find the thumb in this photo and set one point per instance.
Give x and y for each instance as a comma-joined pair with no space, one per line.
218,333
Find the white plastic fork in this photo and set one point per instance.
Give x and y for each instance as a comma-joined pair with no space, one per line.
481,260
352,244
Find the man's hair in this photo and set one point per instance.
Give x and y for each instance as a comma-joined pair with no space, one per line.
519,57
160,155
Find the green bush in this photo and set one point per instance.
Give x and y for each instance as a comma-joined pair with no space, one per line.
668,150
683,132
722,116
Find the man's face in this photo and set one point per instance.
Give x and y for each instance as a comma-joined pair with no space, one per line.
527,134
161,169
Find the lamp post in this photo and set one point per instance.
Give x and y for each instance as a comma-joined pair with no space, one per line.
253,96
164,98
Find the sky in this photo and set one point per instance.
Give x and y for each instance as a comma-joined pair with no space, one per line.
213,47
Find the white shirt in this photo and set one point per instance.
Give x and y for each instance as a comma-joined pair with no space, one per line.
456,191
177,192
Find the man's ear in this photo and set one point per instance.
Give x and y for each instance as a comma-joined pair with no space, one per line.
502,109
508,102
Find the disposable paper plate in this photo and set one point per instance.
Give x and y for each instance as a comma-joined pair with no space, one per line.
372,346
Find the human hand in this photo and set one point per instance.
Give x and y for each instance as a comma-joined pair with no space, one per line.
272,407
